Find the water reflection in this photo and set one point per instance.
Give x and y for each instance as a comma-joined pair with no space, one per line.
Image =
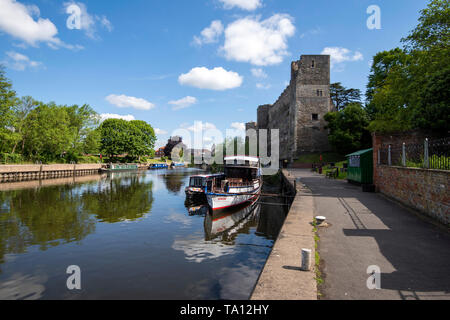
61,214
120,197
227,225
173,250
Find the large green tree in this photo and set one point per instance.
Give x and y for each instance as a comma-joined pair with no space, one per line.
408,88
348,129
135,138
342,96
7,101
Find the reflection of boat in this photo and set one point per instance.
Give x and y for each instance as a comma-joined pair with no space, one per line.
231,223
199,210
240,185
198,185
119,167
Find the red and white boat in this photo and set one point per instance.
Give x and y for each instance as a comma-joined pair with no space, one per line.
240,185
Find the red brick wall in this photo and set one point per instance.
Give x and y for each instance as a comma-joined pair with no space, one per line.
424,190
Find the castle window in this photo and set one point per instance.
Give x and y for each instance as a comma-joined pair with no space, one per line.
313,64
315,117
319,93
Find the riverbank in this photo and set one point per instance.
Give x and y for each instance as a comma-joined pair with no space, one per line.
281,278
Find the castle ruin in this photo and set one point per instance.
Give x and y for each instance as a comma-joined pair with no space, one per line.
299,111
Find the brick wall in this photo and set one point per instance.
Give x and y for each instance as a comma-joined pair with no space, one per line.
422,189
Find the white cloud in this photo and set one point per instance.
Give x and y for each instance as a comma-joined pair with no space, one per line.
183,103
88,22
17,20
248,5
263,86
200,126
123,101
215,79
20,62
160,131
210,34
238,126
261,43
259,73
105,116
340,55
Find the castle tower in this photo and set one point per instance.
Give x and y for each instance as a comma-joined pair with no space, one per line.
299,112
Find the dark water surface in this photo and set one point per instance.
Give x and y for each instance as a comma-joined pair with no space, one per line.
132,237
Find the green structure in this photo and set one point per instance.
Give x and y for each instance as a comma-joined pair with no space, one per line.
360,166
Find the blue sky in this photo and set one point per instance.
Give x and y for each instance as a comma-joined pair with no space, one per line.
172,63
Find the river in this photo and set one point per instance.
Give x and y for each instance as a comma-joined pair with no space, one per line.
132,237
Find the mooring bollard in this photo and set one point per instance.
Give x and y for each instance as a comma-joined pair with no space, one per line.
306,259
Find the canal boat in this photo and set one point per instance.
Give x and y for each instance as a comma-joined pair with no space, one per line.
240,185
119,167
198,184
158,166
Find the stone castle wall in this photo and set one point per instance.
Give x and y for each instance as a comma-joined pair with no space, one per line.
299,112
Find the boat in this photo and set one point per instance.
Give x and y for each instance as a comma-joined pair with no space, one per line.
198,184
119,167
240,185
158,166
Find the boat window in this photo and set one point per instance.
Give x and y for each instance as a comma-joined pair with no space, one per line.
197,182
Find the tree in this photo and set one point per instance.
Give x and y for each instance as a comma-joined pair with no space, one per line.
408,88
113,137
342,96
47,132
21,111
143,138
135,138
7,101
348,129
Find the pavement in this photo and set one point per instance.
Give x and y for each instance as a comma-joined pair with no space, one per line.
367,229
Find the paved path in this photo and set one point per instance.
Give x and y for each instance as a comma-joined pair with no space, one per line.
367,229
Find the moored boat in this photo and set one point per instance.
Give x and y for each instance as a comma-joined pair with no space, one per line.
198,185
119,167
240,185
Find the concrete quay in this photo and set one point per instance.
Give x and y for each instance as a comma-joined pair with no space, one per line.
13,173
282,277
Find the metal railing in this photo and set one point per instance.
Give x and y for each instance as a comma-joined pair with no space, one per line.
432,154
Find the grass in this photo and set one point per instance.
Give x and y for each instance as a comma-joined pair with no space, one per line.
340,165
315,157
318,277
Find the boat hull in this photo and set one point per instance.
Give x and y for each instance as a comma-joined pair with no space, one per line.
235,199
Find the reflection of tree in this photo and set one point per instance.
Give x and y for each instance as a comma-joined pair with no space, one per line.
119,199
45,217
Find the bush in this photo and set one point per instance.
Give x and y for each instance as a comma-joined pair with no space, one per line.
11,158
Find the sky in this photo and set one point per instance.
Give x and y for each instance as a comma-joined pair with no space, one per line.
184,66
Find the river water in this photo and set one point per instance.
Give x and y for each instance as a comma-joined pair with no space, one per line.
132,237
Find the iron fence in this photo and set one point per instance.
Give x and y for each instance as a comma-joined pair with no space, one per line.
431,154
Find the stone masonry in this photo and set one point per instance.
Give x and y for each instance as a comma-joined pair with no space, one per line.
299,112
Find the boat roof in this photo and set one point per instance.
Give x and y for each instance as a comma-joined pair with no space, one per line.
242,158
207,175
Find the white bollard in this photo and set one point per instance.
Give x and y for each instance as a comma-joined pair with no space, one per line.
306,259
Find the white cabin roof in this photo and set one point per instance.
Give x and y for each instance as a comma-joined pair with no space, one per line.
241,158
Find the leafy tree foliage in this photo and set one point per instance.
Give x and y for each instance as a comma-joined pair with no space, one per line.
35,131
118,137
342,96
408,88
348,129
